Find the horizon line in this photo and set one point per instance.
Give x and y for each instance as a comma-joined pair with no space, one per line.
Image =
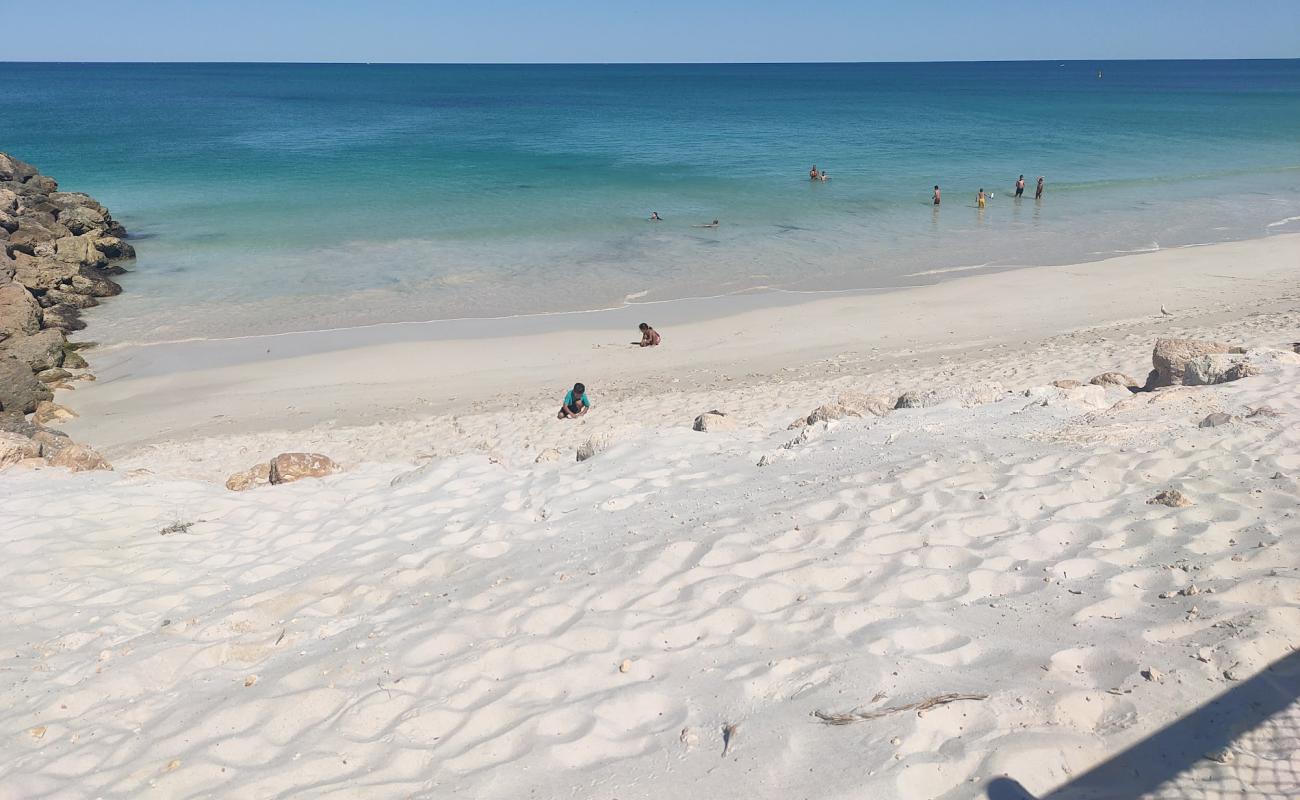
657,63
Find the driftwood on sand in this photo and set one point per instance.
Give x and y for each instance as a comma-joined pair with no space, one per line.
848,717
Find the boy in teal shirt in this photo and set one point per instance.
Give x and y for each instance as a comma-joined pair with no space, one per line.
575,403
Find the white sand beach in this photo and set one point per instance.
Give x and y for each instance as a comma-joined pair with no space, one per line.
467,611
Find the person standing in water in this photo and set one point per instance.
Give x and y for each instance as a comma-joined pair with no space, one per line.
1038,193
936,194
980,199
1020,186
813,174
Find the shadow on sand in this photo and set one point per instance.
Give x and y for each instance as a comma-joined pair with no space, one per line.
1257,723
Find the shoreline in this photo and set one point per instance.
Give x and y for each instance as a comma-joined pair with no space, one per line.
307,382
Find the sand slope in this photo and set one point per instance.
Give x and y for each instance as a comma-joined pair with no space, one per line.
458,629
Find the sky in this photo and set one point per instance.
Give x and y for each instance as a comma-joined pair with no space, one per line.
573,31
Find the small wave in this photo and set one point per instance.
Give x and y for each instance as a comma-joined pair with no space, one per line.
1279,223
635,295
948,270
1154,247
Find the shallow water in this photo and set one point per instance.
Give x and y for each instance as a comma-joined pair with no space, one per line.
268,198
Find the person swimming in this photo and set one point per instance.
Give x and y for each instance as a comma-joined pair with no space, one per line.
980,199
649,336
813,174
654,217
936,194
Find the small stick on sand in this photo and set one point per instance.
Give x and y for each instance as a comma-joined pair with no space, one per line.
861,716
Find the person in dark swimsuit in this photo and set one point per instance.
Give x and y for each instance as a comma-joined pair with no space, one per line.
1038,193
1020,185
936,194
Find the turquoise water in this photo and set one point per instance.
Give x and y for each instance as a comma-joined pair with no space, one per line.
267,198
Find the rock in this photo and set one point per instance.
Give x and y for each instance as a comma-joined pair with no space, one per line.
290,467
1067,383
41,184
73,360
714,421
626,666
849,404
15,447
58,297
48,411
1215,420
1172,498
41,273
1153,674
78,458
79,250
1262,411
976,394
19,389
20,314
11,169
16,422
83,219
548,455
1113,379
64,318
94,285
1221,756
252,477
1171,356
766,460
51,441
1216,368
910,400
596,443
40,351
115,248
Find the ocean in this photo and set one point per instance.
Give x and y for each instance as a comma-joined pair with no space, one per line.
267,198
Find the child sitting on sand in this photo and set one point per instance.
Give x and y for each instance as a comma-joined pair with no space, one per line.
575,403
649,336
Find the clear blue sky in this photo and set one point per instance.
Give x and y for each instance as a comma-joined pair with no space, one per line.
652,30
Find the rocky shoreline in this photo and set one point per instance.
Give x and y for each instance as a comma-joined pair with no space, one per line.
60,253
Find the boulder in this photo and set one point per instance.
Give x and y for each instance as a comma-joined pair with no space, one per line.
596,443
15,447
53,375
1113,379
78,458
40,351
58,297
83,220
48,411
1066,383
40,273
73,360
1215,420
910,400
79,250
259,475
20,314
1171,356
51,441
8,198
113,247
94,285
19,389
65,318
16,422
8,222
65,201
1215,368
714,421
41,184
11,169
290,467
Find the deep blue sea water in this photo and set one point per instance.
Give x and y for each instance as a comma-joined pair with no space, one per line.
293,197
